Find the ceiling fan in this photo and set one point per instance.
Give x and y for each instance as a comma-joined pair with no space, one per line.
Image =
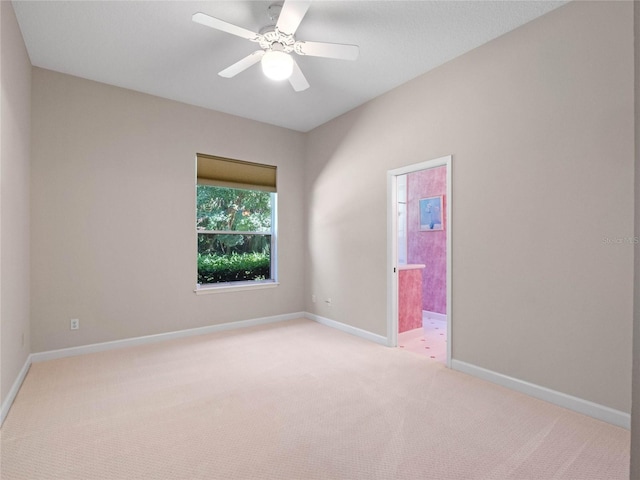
277,42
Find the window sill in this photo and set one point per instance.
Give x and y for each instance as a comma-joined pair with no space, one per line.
236,287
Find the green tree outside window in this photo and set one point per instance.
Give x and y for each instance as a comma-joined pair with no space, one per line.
234,234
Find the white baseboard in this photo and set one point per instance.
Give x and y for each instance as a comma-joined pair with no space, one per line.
160,337
358,332
434,316
11,396
579,405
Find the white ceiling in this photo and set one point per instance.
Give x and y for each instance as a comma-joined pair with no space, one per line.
154,47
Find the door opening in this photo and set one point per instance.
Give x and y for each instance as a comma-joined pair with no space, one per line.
418,235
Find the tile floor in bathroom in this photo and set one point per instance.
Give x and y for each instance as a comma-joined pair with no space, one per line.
429,341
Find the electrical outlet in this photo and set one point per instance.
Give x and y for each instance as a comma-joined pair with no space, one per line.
74,324
328,302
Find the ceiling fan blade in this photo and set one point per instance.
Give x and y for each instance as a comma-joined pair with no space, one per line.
328,50
242,65
209,21
291,15
297,79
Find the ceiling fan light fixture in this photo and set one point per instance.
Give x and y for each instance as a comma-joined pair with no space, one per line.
277,65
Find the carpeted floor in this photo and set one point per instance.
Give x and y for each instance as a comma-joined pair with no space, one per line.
293,400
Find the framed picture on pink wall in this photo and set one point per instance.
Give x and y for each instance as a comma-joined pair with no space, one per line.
431,214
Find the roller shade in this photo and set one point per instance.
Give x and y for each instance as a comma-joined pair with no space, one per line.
226,172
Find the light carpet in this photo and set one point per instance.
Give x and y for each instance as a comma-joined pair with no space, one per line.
293,400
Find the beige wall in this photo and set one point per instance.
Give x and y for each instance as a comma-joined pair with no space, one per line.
635,410
540,126
15,106
113,213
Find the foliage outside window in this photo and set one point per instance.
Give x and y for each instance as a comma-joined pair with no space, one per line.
236,235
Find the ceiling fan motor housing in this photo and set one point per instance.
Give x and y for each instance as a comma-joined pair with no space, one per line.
273,39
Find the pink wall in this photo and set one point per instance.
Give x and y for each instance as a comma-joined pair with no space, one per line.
409,301
429,248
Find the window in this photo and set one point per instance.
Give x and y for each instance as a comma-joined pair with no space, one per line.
235,222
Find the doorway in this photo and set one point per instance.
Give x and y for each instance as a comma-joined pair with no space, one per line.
430,213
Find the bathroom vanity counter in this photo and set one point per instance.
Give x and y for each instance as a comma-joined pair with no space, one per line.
411,266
